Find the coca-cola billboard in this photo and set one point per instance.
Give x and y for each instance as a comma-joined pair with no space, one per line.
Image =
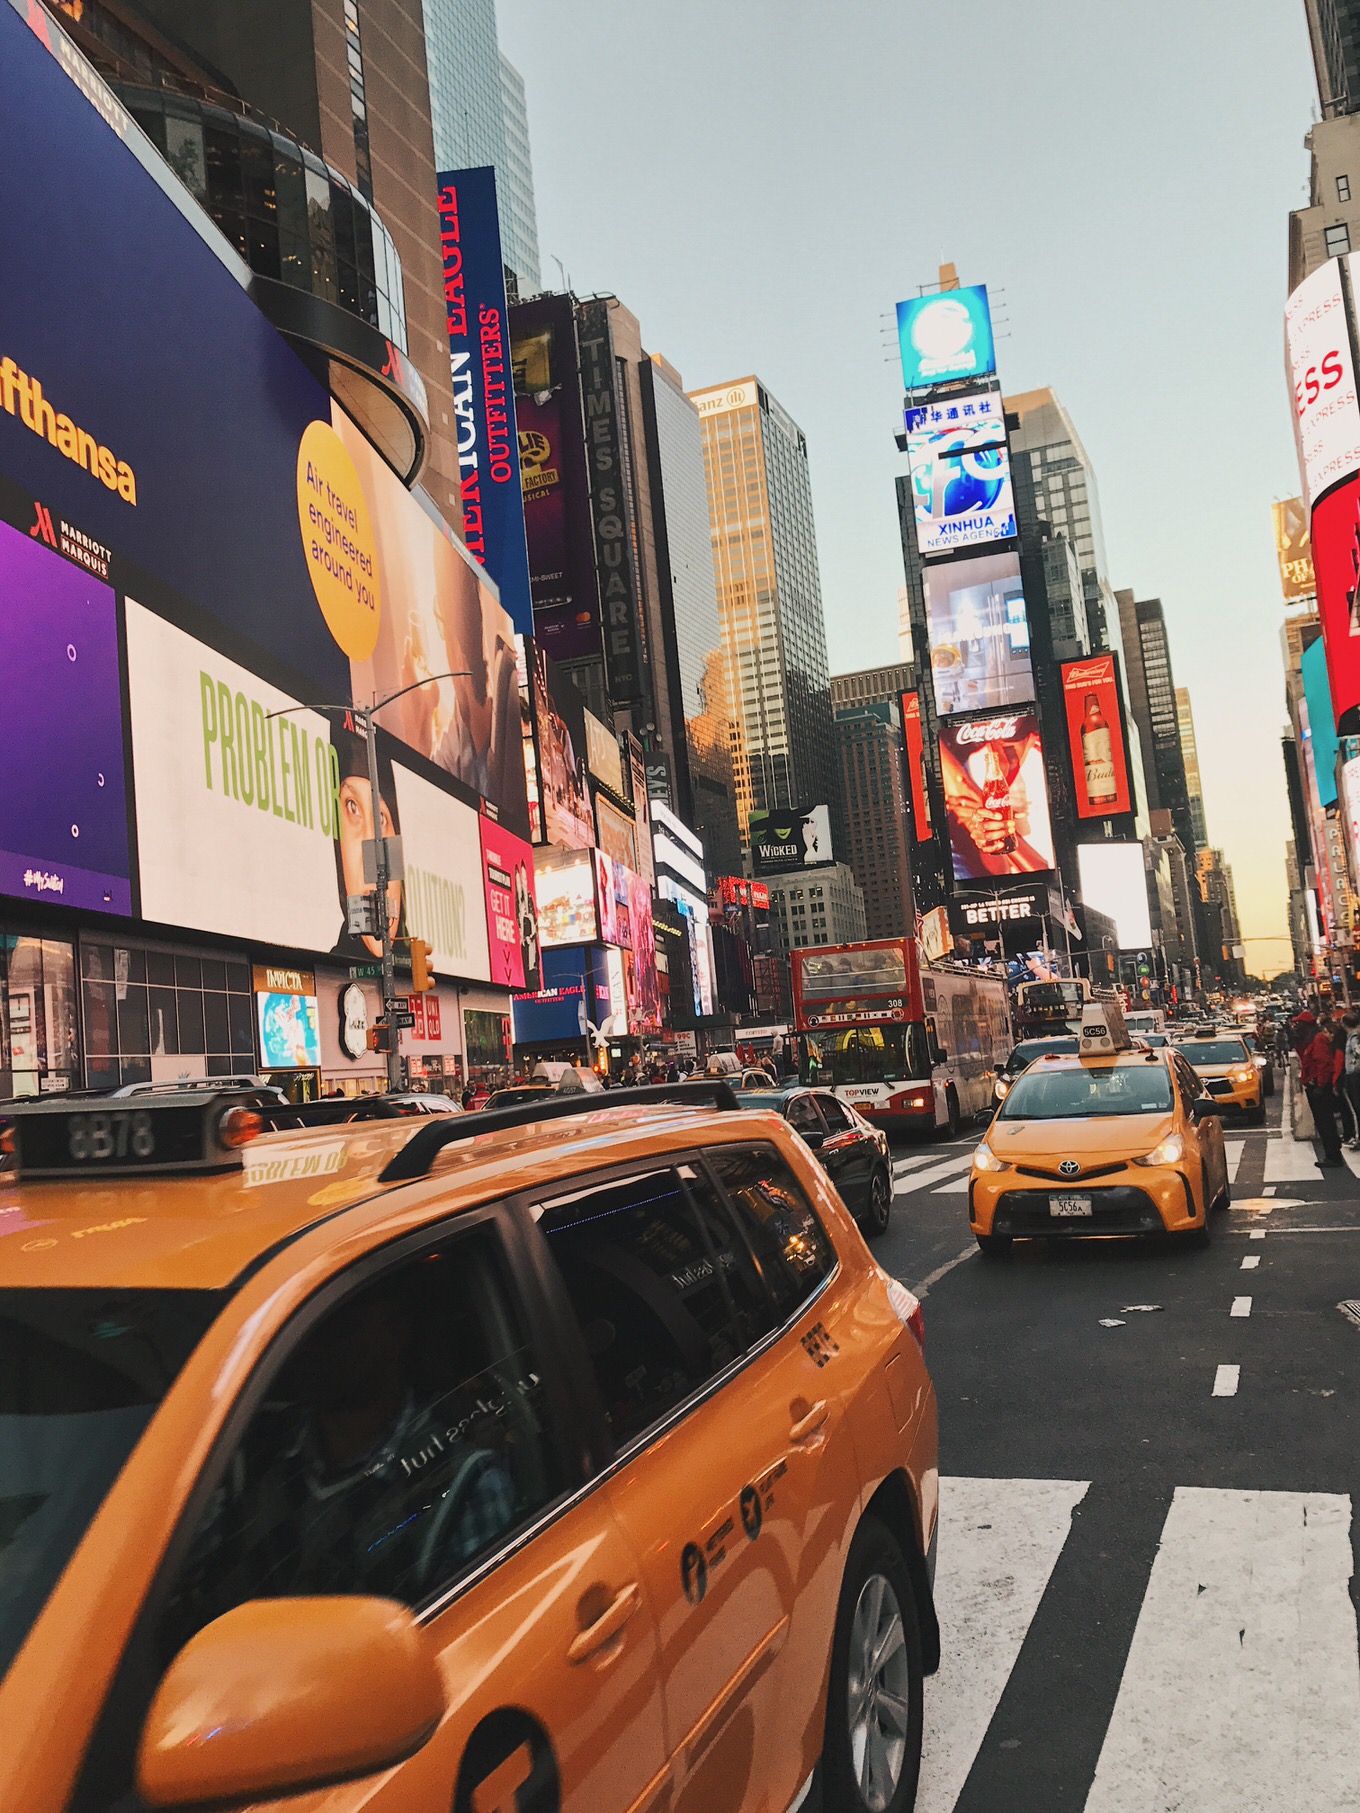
1095,737
996,796
1336,564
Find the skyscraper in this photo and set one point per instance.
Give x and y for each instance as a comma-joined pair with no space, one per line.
478,113
1064,483
1334,34
770,597
1152,699
1185,719
868,714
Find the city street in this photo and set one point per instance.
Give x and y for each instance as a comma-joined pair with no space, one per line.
1149,1459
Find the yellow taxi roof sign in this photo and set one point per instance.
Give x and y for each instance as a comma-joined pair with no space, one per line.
1102,1030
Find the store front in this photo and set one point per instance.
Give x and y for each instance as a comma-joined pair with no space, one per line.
161,1013
39,1016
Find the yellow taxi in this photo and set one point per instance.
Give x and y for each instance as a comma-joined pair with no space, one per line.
1120,1142
577,1456
1228,1071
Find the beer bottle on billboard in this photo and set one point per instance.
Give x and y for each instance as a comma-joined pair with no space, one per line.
996,796
1097,754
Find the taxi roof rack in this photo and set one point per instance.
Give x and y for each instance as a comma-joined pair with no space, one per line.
420,1151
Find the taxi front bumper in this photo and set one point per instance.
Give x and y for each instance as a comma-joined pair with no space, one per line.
1137,1200
1229,1093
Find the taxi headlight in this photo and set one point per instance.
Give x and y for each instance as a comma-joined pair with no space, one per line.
1169,1152
986,1160
1002,1088
1243,1075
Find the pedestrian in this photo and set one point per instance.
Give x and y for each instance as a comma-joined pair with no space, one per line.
1350,1081
1321,1064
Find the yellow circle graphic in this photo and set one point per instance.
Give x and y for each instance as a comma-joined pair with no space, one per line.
337,538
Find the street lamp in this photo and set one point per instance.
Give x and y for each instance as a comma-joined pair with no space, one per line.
364,715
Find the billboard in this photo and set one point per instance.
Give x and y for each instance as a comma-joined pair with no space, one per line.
63,802
791,839
563,784
477,322
611,900
1114,882
960,472
1321,722
1095,737
946,336
916,765
1293,548
1336,562
603,755
1322,380
552,460
290,1031
617,834
639,965
979,634
996,796
611,508
985,912
511,907
564,881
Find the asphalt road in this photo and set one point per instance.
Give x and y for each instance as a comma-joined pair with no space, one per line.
1149,1459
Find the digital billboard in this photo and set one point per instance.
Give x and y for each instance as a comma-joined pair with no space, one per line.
791,839
511,907
290,1032
1336,562
1114,882
563,783
611,900
617,833
1322,379
1293,548
564,881
1321,723
445,904
603,755
996,796
63,802
640,973
916,765
946,336
478,326
1095,737
979,634
960,473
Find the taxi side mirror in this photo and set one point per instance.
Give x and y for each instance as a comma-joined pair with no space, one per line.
1204,1108
282,1695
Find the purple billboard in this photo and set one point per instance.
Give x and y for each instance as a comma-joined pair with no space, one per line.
63,808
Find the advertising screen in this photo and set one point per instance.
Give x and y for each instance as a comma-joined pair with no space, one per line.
290,1032
1293,548
477,321
1336,562
63,802
1322,378
444,904
916,765
564,881
603,756
617,833
1350,803
1321,723
796,839
995,796
611,899
1095,737
640,973
511,907
1114,882
979,634
945,336
960,473
563,784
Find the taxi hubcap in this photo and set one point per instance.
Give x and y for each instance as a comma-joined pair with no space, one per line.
878,1693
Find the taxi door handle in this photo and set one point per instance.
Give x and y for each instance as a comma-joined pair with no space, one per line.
810,1422
607,1626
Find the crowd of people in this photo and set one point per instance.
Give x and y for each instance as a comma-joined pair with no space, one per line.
1328,1046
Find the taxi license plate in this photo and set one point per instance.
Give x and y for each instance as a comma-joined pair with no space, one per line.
1069,1205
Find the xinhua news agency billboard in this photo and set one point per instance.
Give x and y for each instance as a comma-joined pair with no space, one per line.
478,325
946,336
960,472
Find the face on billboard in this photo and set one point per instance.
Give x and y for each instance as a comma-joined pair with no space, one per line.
960,473
563,786
565,884
511,907
1322,376
995,796
1114,882
979,634
1100,769
1336,552
63,803
797,839
945,336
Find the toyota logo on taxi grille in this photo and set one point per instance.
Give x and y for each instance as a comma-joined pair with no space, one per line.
1068,1168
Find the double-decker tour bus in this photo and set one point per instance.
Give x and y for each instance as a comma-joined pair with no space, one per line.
913,1046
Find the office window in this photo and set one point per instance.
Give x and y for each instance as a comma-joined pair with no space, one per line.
1343,188
1337,240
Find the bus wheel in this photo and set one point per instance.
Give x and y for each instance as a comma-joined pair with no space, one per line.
955,1119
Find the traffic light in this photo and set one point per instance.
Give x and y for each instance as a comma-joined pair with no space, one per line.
380,1037
421,978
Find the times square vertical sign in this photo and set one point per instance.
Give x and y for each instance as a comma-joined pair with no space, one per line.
477,323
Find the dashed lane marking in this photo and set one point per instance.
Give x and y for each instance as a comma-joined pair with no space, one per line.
1241,1306
922,1290
1226,1381
1233,1150
1250,1263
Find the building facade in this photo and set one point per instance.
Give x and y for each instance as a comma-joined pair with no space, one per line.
816,906
1334,37
1185,719
1065,496
1152,699
869,747
770,598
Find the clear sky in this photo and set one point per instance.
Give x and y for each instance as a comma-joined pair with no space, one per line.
760,181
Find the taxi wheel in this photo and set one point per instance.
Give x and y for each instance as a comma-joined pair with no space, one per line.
877,1214
994,1246
1197,1237
872,1753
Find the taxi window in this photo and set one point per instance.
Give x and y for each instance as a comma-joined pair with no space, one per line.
777,1218
1072,1094
666,1293
400,1440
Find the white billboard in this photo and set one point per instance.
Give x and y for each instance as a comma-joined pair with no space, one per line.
1114,882
445,901
1322,380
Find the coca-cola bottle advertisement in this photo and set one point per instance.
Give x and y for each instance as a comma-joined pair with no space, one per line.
996,798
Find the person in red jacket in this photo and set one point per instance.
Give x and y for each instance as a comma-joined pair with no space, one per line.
1321,1066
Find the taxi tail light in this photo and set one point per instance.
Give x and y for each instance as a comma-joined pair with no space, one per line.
907,1308
238,1126
8,1141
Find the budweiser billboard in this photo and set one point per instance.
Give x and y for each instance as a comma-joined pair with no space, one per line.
1095,737
1336,565
995,795
916,765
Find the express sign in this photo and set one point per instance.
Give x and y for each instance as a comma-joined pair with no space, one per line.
1322,377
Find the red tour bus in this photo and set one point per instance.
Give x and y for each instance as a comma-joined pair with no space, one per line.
912,1046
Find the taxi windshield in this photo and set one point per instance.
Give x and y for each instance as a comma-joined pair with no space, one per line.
81,1374
1072,1095
1213,1051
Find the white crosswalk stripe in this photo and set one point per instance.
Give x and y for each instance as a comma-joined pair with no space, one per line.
1233,1150
1289,1160
1240,1691
949,1167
